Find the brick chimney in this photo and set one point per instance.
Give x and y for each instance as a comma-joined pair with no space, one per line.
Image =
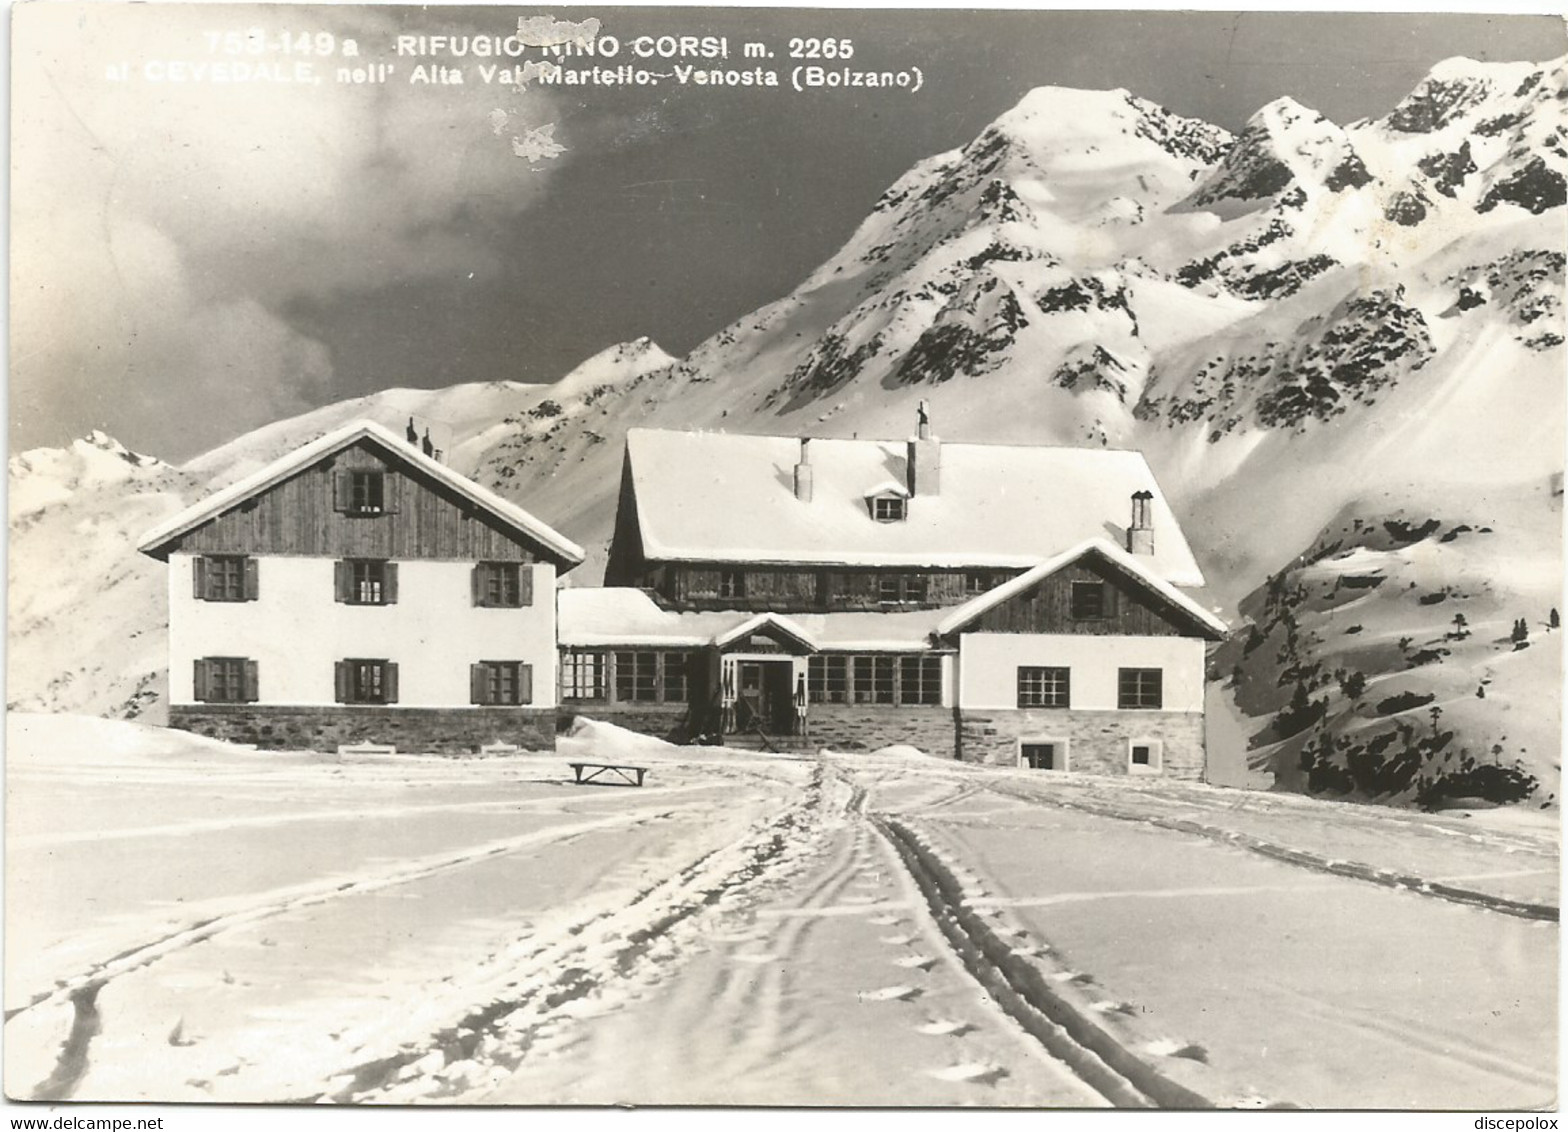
925,457
1140,533
803,471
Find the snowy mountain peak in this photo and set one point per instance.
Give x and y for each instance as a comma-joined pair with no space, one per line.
1284,145
622,362
1049,117
1459,85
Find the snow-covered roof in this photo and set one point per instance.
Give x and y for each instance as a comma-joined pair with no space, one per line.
567,553
709,497
1135,567
605,618
761,621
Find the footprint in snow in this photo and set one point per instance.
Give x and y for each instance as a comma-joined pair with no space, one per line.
978,1072
890,994
886,921
945,1028
915,962
897,940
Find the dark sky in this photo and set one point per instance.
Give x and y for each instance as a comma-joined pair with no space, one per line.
192,261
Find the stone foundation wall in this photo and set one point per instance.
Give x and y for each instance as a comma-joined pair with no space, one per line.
1097,740
866,727
444,731
670,722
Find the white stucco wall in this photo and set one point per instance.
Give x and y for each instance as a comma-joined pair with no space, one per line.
296,632
988,666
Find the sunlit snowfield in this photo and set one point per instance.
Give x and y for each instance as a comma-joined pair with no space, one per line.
188,921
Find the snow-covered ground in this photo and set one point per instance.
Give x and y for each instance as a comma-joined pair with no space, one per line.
190,921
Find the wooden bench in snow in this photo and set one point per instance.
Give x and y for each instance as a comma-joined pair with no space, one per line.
591,772
366,749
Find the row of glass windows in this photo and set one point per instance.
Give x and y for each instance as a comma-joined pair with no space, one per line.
636,676
1047,687
875,679
892,589
362,680
360,581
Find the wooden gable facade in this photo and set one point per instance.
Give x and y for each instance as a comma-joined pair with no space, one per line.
310,513
1062,603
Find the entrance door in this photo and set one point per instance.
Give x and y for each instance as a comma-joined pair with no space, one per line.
751,699
763,697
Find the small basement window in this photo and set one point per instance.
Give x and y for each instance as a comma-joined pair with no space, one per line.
889,509
1145,756
1043,754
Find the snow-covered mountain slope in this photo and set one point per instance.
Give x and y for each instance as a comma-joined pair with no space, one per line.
1414,652
1284,322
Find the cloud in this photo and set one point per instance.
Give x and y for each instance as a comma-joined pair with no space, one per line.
162,230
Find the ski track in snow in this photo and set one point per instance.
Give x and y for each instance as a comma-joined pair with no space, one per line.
754,951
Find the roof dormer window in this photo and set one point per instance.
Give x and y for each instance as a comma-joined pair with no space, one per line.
889,508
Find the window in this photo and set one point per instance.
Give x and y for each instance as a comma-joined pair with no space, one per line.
503,585
978,582
829,679
1139,688
1088,601
920,680
501,683
225,577
637,677
362,491
583,676
1044,687
674,683
361,681
366,581
225,680
901,589
889,508
642,676
1043,754
876,679
732,583
1145,756
367,493
873,680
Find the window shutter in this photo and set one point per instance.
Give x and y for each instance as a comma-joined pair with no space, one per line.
342,490
478,577
252,684
340,681
525,683
201,687
342,580
389,682
478,684
391,491
252,581
199,573
389,584
525,584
